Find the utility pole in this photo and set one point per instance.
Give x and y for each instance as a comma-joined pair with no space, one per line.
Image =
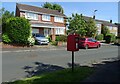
94,13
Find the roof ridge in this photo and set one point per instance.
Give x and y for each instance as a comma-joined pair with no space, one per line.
37,7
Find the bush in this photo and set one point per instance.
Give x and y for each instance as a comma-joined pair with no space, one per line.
99,37
18,29
110,38
6,39
54,43
31,41
62,38
49,38
117,37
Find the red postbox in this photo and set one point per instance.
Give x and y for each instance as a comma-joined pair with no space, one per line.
72,42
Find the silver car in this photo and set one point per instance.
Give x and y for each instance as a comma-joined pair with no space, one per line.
40,39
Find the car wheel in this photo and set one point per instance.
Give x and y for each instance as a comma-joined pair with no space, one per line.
98,46
86,46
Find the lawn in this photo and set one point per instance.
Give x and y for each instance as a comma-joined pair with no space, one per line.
65,75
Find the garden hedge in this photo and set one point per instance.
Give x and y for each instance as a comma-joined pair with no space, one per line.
100,37
18,30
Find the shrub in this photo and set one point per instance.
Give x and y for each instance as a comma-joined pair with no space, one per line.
110,38
6,39
54,43
113,38
99,37
18,29
62,38
31,41
117,37
49,38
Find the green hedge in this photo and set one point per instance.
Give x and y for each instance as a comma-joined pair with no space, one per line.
5,38
62,38
54,43
99,37
18,30
110,38
117,37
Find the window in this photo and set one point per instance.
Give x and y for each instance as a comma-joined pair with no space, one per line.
90,39
110,27
31,16
59,19
59,31
46,17
93,40
35,30
98,25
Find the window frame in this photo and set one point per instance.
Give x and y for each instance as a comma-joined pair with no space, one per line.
59,31
31,16
46,17
58,19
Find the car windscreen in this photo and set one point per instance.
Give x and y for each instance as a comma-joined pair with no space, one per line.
38,35
94,40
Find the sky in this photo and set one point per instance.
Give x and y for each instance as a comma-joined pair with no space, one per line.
105,10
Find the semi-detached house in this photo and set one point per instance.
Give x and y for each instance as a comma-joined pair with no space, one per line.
101,23
42,20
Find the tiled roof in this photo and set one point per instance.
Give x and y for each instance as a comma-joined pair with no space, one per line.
24,7
107,23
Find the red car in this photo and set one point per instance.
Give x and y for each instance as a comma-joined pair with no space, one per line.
88,43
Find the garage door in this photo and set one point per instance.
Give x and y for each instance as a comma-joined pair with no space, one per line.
35,30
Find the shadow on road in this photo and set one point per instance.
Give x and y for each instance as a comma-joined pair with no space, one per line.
40,68
107,71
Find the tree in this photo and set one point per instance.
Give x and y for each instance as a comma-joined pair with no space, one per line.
53,7
1,11
5,15
105,30
77,24
58,7
48,5
91,28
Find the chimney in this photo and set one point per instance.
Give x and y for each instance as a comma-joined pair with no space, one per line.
94,17
110,21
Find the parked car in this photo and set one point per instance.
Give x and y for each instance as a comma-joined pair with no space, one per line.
88,43
40,39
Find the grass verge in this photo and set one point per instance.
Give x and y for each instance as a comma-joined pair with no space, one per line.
66,75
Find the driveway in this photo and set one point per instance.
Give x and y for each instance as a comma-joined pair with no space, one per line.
15,61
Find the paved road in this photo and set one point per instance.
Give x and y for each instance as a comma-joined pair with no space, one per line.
15,60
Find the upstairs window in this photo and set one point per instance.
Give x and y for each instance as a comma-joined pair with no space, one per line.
59,19
32,16
46,17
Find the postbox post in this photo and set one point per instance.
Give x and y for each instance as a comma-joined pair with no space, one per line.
73,45
72,61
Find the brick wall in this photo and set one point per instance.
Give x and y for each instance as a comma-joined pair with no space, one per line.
41,30
17,12
52,20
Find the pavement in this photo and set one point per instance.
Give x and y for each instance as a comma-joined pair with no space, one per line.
106,73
